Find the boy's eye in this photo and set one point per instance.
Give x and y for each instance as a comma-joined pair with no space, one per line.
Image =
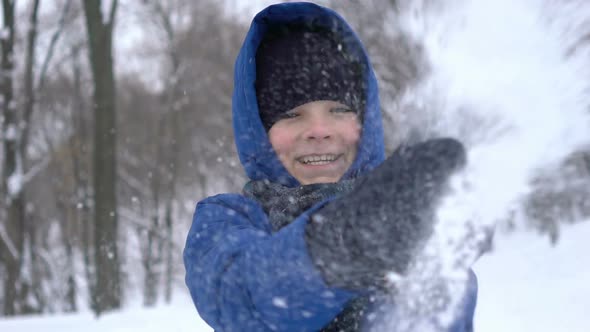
342,110
290,115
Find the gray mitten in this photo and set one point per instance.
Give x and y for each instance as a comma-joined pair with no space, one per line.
378,227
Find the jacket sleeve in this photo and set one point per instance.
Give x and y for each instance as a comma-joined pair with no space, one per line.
243,277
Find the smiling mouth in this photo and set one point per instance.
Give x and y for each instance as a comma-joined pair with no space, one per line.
318,159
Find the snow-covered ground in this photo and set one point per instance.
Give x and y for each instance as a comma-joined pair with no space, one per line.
528,285
525,285
177,317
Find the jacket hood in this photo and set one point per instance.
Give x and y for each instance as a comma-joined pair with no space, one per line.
255,151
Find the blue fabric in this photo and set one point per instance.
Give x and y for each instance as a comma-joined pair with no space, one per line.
464,320
241,275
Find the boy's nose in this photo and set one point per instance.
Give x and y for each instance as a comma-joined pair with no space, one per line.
318,128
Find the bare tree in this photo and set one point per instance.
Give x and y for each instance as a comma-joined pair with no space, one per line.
107,294
12,227
33,285
30,290
560,195
166,154
188,122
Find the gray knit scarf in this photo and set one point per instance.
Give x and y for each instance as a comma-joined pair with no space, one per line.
283,205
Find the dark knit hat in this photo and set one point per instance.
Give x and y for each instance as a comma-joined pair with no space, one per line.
295,66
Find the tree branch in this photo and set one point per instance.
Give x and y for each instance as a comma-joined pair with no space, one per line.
8,243
112,14
52,43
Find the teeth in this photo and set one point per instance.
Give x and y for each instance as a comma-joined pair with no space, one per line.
318,159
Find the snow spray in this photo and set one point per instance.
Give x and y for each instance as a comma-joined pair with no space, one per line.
510,79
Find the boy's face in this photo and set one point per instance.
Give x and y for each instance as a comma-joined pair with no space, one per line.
317,142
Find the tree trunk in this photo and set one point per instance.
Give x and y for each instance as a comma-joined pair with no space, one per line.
150,294
81,169
107,294
12,231
29,102
169,259
172,101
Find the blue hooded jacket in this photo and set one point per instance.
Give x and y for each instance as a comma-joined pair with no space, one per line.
242,276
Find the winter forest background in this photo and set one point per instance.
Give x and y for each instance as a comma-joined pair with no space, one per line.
115,120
